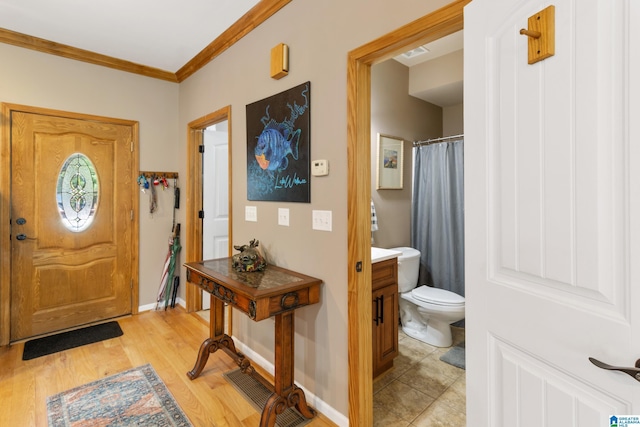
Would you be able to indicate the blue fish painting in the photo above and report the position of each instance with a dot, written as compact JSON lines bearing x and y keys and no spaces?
{"x":278,"y":139}
{"x":275,"y":143}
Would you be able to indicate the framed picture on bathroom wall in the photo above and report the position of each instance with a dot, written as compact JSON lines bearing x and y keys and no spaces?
{"x":390,"y":162}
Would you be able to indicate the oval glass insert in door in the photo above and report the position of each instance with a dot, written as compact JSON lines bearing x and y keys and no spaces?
{"x":77,"y":192}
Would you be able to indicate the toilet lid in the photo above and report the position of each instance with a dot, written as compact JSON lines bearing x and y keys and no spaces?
{"x":437,"y":296}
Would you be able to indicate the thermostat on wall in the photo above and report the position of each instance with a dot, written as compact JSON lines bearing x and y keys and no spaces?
{"x":319,"y":167}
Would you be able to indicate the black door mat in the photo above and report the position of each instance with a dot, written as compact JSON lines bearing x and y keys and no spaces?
{"x":67,"y":340}
{"x":257,"y":394}
{"x":455,"y":356}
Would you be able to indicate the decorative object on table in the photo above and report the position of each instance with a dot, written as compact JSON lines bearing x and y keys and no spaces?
{"x":133,"y":397}
{"x":278,"y":143}
{"x":249,"y":259}
{"x":390,"y":162}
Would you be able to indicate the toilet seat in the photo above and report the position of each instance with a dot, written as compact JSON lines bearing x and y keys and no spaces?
{"x":436,"y":296}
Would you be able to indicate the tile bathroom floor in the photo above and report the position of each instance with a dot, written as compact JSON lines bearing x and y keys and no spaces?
{"x":420,"y":390}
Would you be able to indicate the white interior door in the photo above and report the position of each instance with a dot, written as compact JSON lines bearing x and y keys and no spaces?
{"x":552,"y":214}
{"x":215,"y":197}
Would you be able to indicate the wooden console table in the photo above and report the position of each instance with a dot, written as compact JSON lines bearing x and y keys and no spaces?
{"x":275,"y":292}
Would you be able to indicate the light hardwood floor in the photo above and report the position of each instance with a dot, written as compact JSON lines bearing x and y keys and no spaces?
{"x":168,"y":340}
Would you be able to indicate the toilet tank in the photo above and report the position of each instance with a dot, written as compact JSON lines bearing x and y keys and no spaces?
{"x":408,"y":268}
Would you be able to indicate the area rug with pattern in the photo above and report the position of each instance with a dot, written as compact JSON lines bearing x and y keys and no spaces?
{"x":136,"y":397}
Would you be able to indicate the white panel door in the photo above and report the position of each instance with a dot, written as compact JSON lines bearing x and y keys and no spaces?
{"x":215,"y":197}
{"x":552,"y":214}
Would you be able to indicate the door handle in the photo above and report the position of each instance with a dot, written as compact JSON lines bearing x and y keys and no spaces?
{"x":21,"y":236}
{"x":634,"y":372}
{"x":379,"y":316}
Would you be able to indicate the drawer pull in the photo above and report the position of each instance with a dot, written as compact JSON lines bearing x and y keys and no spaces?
{"x":289,"y":300}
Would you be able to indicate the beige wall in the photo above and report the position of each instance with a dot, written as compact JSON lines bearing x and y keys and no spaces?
{"x":241,"y":76}
{"x":453,"y":120}
{"x":394,"y":112}
{"x":319,"y":34}
{"x":36,"y":79}
{"x":442,"y":72}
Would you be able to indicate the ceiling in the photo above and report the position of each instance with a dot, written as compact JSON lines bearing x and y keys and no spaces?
{"x":160,"y":35}
{"x":447,"y":94}
{"x":155,"y":33}
{"x":433,"y":50}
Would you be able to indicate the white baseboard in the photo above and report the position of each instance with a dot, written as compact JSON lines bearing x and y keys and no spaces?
{"x":328,"y":411}
{"x":152,"y":306}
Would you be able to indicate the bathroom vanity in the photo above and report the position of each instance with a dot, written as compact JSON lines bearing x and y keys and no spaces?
{"x":384,"y":286}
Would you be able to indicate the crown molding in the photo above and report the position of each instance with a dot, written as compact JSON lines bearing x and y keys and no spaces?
{"x":70,"y":52}
{"x":262,"y":11}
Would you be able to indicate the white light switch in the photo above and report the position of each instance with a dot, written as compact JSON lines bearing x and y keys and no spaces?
{"x":251,"y":213}
{"x":321,"y":220}
{"x":283,"y":216}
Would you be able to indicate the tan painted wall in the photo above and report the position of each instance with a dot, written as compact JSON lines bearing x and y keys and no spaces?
{"x":319,"y":34}
{"x":40,"y":80}
{"x":394,"y":112}
{"x":443,"y":71}
{"x":453,"y":120}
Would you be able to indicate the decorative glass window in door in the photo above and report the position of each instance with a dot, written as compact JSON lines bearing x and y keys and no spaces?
{"x":77,"y":192}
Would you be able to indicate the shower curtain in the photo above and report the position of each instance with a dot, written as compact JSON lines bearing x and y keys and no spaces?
{"x":437,"y":214}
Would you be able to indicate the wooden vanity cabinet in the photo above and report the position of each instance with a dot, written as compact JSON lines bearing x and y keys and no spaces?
{"x":384,"y":275}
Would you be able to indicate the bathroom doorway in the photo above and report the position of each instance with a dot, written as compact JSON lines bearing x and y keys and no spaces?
{"x":415,"y":96}
{"x":431,"y":27}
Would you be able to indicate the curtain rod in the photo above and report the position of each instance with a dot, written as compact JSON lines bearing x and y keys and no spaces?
{"x":435,"y":140}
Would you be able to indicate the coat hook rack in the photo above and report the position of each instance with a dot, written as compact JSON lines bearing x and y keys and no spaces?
{"x":152,"y":174}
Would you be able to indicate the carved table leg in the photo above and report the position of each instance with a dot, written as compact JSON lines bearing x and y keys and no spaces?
{"x":286,"y":393}
{"x":216,"y":337}
{"x":203,"y":356}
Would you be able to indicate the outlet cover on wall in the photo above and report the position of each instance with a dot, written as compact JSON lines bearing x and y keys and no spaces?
{"x":321,"y":220}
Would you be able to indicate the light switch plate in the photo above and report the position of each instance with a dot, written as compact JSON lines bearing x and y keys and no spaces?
{"x":283,"y":216}
{"x":251,"y":213}
{"x":321,"y":220}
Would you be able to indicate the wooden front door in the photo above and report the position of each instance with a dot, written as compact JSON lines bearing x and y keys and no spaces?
{"x":72,"y":213}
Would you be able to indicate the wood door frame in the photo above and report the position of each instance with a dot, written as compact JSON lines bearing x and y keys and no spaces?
{"x":193,"y":247}
{"x":5,"y":204}
{"x":433,"y":26}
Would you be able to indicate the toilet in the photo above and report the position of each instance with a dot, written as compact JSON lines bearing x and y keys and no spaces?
{"x":426,"y":313}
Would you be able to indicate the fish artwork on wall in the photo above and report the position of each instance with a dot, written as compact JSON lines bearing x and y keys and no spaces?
{"x":278,"y":146}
